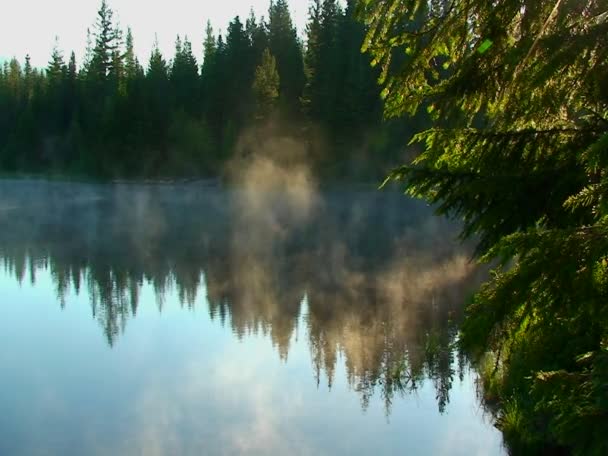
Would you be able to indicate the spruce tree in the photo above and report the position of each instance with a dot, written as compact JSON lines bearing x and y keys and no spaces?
{"x":106,"y":44}
{"x":131,"y":63}
{"x":185,"y":77}
{"x":157,"y":103}
{"x":518,"y":152}
{"x":239,"y":71}
{"x":266,"y":86}
{"x":312,"y":59}
{"x":287,"y":49}
{"x":28,"y":78}
{"x":56,"y":68}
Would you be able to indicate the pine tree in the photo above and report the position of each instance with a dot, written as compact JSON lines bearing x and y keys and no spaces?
{"x":56,"y":68}
{"x":239,"y":71}
{"x":286,"y":47}
{"x":27,"y":68}
{"x":132,"y":67}
{"x":184,"y":77}
{"x":71,"y":85}
{"x":105,"y":43}
{"x":157,"y":73}
{"x":312,"y":58}
{"x":117,"y":70}
{"x":28,"y":78}
{"x":72,"y":68}
{"x":212,"y":80}
{"x":157,"y":100}
{"x":208,"y":67}
{"x":88,"y":54}
{"x":209,"y":45}
{"x":266,"y":86}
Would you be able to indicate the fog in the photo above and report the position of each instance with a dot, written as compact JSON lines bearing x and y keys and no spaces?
{"x":378,"y":278}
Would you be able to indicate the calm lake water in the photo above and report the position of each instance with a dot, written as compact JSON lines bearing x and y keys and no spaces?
{"x":184,"y":319}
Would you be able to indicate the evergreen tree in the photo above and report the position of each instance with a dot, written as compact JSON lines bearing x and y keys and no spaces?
{"x":358,"y":94}
{"x":117,"y":70}
{"x":105,"y":43}
{"x":258,"y":36}
{"x":88,"y":53}
{"x":131,"y":63}
{"x":72,"y":72}
{"x":330,"y":76}
{"x":239,"y":71}
{"x":287,"y":49}
{"x":56,"y":68}
{"x":209,"y":67}
{"x":518,"y":152}
{"x":266,"y":85}
{"x":184,"y":77}
{"x":157,"y":103}
{"x":214,"y":82}
{"x":28,"y":78}
{"x":312,"y":58}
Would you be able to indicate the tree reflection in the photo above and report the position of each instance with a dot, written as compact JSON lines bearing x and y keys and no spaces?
{"x":377,"y":284}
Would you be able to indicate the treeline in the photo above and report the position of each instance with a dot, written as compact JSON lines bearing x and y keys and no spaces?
{"x":116,"y":116}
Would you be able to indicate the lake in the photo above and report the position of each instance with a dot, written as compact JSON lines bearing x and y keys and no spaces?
{"x":187,"y":319}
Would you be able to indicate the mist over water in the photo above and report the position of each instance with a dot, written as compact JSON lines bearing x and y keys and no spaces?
{"x":276,"y":294}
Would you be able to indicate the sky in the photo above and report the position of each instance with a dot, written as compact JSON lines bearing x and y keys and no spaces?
{"x":30,"y":26}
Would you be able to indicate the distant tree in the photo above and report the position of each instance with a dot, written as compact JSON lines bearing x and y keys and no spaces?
{"x":185,"y":77}
{"x":312,"y":58}
{"x":56,"y":69}
{"x":28,"y":78}
{"x":266,"y":85}
{"x":209,"y":65}
{"x":239,"y":71}
{"x":209,"y":45}
{"x":287,"y":49}
{"x":88,"y":54}
{"x":103,"y":56}
{"x":72,"y":71}
{"x":157,"y":102}
{"x":212,"y":80}
{"x":131,"y":62}
{"x":157,"y":68}
{"x":257,"y":32}
{"x":117,"y":70}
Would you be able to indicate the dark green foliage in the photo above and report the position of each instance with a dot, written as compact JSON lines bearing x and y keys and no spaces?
{"x":114,"y":116}
{"x":266,"y":86}
{"x":185,"y":78}
{"x":287,"y":49}
{"x":517,"y":92}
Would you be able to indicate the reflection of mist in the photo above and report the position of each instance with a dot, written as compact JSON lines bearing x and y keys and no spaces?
{"x":383,"y":281}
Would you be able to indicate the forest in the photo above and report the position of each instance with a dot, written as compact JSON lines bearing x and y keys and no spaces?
{"x":181,"y":116}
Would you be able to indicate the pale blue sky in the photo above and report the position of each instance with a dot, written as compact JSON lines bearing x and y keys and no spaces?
{"x":30,"y":26}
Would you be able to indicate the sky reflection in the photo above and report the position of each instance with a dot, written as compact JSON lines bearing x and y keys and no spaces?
{"x":335,"y":338}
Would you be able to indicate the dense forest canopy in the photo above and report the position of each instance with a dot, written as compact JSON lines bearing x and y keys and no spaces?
{"x":114,"y":115}
{"x":519,"y":151}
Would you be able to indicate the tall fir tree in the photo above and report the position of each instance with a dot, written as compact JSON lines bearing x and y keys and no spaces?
{"x":287,"y":49}
{"x":185,"y":77}
{"x":266,"y":86}
{"x":518,"y":153}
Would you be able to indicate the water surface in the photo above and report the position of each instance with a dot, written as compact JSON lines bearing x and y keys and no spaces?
{"x":186,"y":319}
